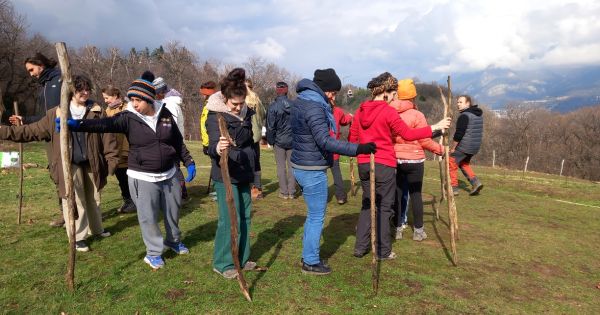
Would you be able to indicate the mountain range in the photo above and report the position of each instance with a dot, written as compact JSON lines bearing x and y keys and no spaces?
{"x":558,"y":89}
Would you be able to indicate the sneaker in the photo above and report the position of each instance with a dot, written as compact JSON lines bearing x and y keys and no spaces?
{"x":227,"y":274}
{"x":399,"y":231}
{"x":213,"y":194}
{"x":359,"y":254}
{"x":342,"y":201}
{"x":104,"y":234}
{"x":477,"y":186}
{"x":127,"y":207}
{"x":283,"y":196}
{"x":455,"y":190}
{"x":178,"y":248}
{"x":250,"y":265}
{"x":58,"y":222}
{"x":391,"y":256}
{"x":319,"y":269}
{"x":419,"y":235}
{"x":155,"y":262}
{"x":292,"y":196}
{"x":81,"y":246}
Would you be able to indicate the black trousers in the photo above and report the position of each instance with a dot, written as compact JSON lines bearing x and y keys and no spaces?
{"x":385,"y":188}
{"x":338,"y":181}
{"x":121,"y":175}
{"x":413,"y":174}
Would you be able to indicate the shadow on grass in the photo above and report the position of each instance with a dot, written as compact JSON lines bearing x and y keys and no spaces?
{"x":203,"y":233}
{"x":283,"y":230}
{"x":337,"y":232}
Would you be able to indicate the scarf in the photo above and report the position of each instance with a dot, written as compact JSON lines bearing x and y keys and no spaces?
{"x":216,"y":103}
{"x":311,"y":95}
{"x":115,"y":104}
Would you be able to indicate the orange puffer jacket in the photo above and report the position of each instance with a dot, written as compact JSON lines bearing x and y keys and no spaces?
{"x":413,"y":150}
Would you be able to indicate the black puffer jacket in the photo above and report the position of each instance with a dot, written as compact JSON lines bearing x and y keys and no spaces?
{"x":279,"y":128}
{"x":469,"y":130}
{"x":49,"y":94}
{"x":149,"y":151}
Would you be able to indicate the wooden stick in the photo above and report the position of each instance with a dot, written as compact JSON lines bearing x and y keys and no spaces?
{"x":232,"y":210}
{"x":20,"y":196}
{"x":208,"y":187}
{"x":448,"y":185}
{"x":453,"y":203}
{"x":65,"y":152}
{"x":353,"y":186}
{"x":442,"y":177}
{"x":374,"y":275}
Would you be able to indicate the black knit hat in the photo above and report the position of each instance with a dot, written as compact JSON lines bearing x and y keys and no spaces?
{"x":143,"y":88}
{"x":327,"y":80}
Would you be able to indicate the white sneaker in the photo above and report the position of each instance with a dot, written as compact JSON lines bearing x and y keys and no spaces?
{"x":419,"y":235}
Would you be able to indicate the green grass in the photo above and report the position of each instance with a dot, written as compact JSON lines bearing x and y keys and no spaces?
{"x":520,"y":251}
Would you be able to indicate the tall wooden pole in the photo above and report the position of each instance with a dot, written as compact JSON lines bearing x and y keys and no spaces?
{"x":374,"y":275}
{"x":20,"y":196}
{"x":452,"y":203}
{"x":65,"y":153}
{"x":232,"y":210}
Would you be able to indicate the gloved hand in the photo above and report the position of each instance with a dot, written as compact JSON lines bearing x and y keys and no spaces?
{"x":73,"y":124}
{"x":191,"y":173}
{"x":366,"y":148}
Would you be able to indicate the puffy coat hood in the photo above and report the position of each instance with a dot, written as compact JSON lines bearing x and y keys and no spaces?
{"x":475,"y":110}
{"x":306,"y":84}
{"x":369,"y":111}
{"x":402,"y":105}
{"x":216,"y":103}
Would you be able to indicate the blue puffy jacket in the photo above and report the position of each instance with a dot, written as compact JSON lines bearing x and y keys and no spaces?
{"x":312,"y":144}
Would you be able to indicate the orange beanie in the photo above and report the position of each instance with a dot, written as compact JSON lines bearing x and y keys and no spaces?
{"x":406,"y":89}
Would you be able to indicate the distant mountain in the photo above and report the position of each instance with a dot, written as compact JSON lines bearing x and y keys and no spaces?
{"x":559,"y":89}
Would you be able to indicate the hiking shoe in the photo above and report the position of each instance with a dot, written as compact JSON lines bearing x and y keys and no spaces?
{"x":455,"y":190}
{"x":58,"y":222}
{"x":104,"y":234}
{"x":477,"y":186}
{"x":319,"y":269}
{"x":399,"y":231}
{"x":155,"y":262}
{"x":81,"y":246}
{"x":250,"y":265}
{"x":178,"y":248}
{"x":127,"y":207}
{"x":359,"y":254}
{"x":283,"y":196}
{"x":391,"y":256}
{"x":419,"y":235}
{"x":227,"y":274}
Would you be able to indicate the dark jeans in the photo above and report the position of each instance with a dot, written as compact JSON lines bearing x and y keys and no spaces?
{"x":412,"y":174}
{"x":338,"y":181}
{"x":121,"y":175}
{"x":385,"y":188}
{"x":256,"y":183}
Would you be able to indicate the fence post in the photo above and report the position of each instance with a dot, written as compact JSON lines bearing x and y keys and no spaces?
{"x":562,"y":164}
{"x":494,"y":159}
{"x":525,"y":169}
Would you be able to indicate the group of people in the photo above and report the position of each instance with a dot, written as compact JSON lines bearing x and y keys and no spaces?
{"x":141,"y":141}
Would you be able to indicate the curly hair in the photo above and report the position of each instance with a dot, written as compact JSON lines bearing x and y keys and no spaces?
{"x":233,"y":84}
{"x":384,"y":82}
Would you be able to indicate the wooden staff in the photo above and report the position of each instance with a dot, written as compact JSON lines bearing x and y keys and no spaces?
{"x":442,"y":177}
{"x":20,"y":196}
{"x":448,"y":186}
{"x":353,"y":186}
{"x":65,"y":153}
{"x":231,"y":207}
{"x":374,"y":275}
{"x":453,"y":206}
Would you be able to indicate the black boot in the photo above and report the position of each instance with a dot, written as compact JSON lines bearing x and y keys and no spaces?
{"x":477,"y":186}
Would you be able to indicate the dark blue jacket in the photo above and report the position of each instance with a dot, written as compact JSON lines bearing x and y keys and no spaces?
{"x":49,"y":94}
{"x":469,"y":130}
{"x":312,"y":144}
{"x":279,"y":129}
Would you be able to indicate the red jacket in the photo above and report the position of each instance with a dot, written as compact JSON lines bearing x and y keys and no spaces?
{"x":413,"y":150}
{"x":376,"y":121}
{"x":341,"y":119}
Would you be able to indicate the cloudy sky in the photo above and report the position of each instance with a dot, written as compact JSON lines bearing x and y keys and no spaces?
{"x":427,"y":39}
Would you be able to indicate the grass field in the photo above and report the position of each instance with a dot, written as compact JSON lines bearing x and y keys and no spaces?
{"x":523,"y":249}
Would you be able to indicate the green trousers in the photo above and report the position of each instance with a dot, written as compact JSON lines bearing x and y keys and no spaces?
{"x":222,"y":259}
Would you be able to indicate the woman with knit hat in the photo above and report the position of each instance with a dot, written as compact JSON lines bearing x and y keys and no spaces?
{"x":230,"y":104}
{"x":411,"y":160}
{"x":375,"y":121}
{"x":155,"y":147}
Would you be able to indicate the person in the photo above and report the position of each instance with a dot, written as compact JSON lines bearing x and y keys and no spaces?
{"x":254,"y":103}
{"x":230,"y":104}
{"x":206,"y":90}
{"x":376,"y":121}
{"x":114,"y":105}
{"x":466,"y":143}
{"x":312,"y":147}
{"x":279,"y":135}
{"x":93,"y":158}
{"x":48,"y":77}
{"x":410,"y":156}
{"x":341,"y":119}
{"x":155,"y":148}
{"x":172,"y":101}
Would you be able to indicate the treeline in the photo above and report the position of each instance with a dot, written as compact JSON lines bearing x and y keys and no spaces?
{"x":545,"y":137}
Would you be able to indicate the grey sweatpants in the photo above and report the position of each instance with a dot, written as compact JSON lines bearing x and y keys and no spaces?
{"x":287,"y":181}
{"x":150,"y":199}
